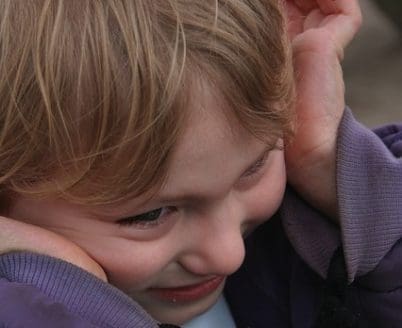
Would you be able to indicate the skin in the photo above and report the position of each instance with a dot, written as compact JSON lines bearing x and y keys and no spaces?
{"x":319,"y":31}
{"x":218,"y":189}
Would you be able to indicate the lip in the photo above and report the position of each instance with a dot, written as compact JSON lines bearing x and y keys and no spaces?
{"x":188,"y":293}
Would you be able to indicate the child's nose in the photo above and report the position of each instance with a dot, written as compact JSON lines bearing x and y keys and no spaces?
{"x":215,"y":254}
{"x":215,"y":246}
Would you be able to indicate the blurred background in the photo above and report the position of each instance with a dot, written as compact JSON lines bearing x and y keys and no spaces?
{"x":373,"y":64}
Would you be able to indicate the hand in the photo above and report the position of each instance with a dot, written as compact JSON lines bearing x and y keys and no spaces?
{"x":319,"y":31}
{"x":19,"y":236}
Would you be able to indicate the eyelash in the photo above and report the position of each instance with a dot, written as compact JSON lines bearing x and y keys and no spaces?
{"x":257,"y":166}
{"x":155,"y":218}
{"x":159,"y":215}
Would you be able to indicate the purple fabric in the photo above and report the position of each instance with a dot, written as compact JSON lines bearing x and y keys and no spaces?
{"x":369,"y":193}
{"x":314,"y":238}
{"x":24,"y":306}
{"x":369,"y":188}
{"x":274,"y":287}
{"x":391,"y":135}
{"x":38,"y":289}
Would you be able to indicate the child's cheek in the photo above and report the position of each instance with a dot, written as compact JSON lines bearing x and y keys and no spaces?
{"x":130,"y":265}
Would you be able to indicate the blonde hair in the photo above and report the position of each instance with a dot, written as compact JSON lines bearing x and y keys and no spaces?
{"x":94,"y":93}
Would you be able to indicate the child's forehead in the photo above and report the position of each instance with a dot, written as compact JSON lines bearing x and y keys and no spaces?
{"x":208,"y":117}
{"x":208,"y":101}
{"x":212,"y":139}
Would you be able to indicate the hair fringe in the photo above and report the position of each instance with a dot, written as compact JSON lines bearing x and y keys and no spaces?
{"x":94,"y":93}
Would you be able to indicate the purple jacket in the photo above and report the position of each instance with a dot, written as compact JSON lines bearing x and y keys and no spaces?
{"x":300,"y":269}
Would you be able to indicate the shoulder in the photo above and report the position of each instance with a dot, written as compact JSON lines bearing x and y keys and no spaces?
{"x":379,"y":292}
{"x":22,"y":305}
{"x":41,"y":291}
{"x":266,"y":290}
{"x":386,"y":277}
{"x":391,"y":135}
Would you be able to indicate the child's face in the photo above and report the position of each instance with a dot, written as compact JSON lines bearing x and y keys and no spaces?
{"x":221,"y":184}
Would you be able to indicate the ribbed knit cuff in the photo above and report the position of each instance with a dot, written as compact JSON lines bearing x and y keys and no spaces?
{"x":314,"y":237}
{"x":82,"y":293}
{"x":369,"y":186}
{"x":369,"y":191}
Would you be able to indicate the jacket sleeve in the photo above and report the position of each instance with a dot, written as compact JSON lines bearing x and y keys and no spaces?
{"x":369,"y":192}
{"x":369,"y":182}
{"x":369,"y":235}
{"x":41,"y":291}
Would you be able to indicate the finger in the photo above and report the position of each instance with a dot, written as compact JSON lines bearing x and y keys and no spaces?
{"x":294,"y":19}
{"x":19,"y":236}
{"x":349,"y":8}
{"x":296,"y":12}
{"x":329,"y":7}
{"x":305,"y":5}
{"x":314,"y":19}
{"x":343,"y":21}
{"x":343,"y":29}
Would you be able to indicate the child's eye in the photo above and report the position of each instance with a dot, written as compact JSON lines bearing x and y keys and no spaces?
{"x":147,"y":219}
{"x":256,"y":166}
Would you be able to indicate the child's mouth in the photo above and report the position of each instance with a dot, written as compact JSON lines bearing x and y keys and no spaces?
{"x":188,"y":293}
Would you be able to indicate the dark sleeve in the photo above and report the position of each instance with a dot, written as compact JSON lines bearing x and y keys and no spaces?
{"x":41,"y":291}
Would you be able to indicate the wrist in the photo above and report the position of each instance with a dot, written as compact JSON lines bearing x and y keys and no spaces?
{"x":313,"y":176}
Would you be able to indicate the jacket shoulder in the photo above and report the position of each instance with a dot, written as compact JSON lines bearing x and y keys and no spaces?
{"x":41,"y":291}
{"x":380,"y":290}
{"x":22,"y":305}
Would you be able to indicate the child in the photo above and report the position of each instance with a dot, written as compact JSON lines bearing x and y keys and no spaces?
{"x":142,"y":140}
